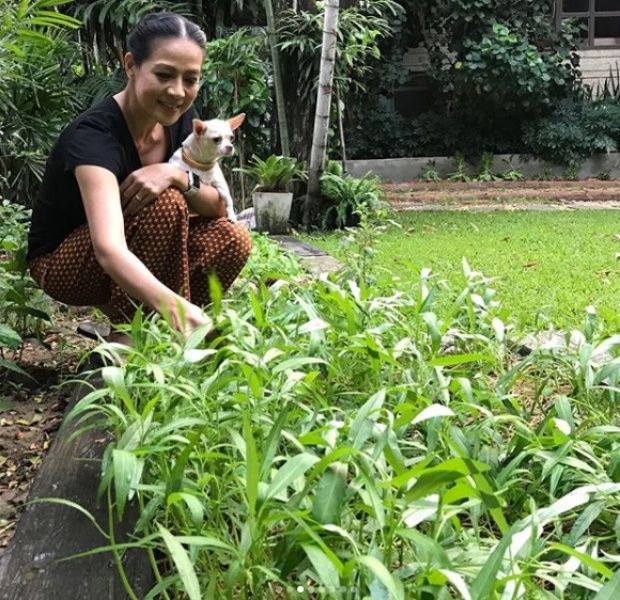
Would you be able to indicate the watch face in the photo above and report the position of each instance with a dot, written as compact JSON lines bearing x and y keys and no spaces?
{"x":195,"y":180}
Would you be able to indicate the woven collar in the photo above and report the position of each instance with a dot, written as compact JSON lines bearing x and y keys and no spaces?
{"x":195,"y":164}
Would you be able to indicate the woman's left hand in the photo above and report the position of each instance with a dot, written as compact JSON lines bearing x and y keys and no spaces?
{"x":141,"y":187}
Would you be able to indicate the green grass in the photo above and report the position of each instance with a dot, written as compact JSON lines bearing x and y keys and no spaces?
{"x":546,"y":265}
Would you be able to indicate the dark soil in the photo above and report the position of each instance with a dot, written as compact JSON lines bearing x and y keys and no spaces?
{"x":31,"y":409}
{"x":583,"y":193}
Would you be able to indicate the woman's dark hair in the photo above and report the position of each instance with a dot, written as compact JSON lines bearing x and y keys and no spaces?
{"x":161,"y":25}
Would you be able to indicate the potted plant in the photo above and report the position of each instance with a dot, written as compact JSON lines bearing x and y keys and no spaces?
{"x":270,"y":198}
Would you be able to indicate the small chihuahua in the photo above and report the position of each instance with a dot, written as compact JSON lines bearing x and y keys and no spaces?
{"x":201,"y":150}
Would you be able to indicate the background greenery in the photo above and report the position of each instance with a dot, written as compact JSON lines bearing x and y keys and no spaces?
{"x":51,"y":68}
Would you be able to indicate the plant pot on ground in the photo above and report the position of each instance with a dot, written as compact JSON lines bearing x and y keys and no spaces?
{"x":270,"y":198}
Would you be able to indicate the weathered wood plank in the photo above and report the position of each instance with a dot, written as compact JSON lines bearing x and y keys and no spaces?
{"x":47,"y":532}
{"x":313,"y":259}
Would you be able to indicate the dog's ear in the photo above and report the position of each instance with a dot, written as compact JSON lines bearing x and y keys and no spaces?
{"x":236,"y":121}
{"x":198,"y":126}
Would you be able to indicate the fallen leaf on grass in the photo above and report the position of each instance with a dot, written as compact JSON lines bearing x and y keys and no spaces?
{"x":531,"y":264}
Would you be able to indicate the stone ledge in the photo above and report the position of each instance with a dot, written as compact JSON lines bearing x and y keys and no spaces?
{"x":400,"y":170}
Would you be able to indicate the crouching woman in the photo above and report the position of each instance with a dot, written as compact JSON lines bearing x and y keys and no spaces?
{"x":111,"y":224}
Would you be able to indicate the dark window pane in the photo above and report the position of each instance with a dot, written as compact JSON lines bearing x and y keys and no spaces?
{"x":575,"y":6}
{"x":607,"y":31}
{"x":607,"y":6}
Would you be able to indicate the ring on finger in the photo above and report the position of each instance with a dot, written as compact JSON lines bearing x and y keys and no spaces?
{"x":138,"y":198}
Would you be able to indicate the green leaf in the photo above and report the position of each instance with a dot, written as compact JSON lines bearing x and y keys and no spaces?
{"x":330,"y":494}
{"x":431,"y":412}
{"x":586,"y":559}
{"x":324,"y":568}
{"x":458,"y":359}
{"x":252,"y":469}
{"x":9,"y":337}
{"x":181,"y":560}
{"x":11,"y":366}
{"x":125,"y":466}
{"x":292,"y":469}
{"x":364,"y":420}
{"x":611,"y":590}
{"x":434,"y":478}
{"x":377,"y":568}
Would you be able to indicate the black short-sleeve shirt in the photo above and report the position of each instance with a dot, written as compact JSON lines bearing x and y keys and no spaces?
{"x":99,"y":137}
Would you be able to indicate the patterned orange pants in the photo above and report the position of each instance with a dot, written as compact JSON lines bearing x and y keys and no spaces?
{"x":181,"y":251}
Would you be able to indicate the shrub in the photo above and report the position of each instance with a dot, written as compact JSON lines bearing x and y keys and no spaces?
{"x":575,"y":131}
{"x":345,"y":196}
{"x":35,"y":101}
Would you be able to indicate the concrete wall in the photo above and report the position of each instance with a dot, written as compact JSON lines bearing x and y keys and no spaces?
{"x":400,"y":170}
{"x":596,"y":64}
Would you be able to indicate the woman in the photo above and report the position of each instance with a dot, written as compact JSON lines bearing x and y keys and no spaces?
{"x":111,"y":225}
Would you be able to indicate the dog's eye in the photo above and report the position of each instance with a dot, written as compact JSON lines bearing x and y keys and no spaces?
{"x":217,"y":140}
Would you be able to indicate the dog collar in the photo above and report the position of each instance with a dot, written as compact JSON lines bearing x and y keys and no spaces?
{"x":195,"y":164}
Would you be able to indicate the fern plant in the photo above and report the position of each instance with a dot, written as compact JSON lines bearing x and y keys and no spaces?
{"x":344,"y":198}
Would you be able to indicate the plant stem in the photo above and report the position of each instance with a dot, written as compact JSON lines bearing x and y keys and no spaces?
{"x":117,"y":556}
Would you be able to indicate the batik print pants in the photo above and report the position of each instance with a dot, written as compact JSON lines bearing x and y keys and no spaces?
{"x":181,"y":251}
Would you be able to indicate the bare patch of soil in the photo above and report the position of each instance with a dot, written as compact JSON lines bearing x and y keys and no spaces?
{"x":31,"y":410}
{"x":588,"y":193}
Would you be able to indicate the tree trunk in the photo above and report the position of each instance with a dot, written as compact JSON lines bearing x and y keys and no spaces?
{"x":321,"y":118}
{"x":277,"y":79}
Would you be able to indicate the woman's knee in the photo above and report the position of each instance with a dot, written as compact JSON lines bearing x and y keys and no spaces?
{"x":243,"y":239}
{"x":170,"y":204}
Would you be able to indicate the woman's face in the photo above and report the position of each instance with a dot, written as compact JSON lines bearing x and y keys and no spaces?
{"x":167,"y":82}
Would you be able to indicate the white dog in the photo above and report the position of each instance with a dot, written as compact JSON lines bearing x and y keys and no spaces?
{"x":200,"y":152}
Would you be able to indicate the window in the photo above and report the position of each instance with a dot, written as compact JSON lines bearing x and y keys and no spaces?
{"x":599,"y":20}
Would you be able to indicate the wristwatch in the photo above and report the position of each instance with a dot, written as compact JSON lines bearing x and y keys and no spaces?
{"x":193,"y":182}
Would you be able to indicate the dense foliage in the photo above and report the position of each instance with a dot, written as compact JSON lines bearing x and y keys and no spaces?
{"x":345,"y":440}
{"x":36,"y":58}
{"x":495,"y":69}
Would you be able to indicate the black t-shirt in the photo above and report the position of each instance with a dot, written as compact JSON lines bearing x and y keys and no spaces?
{"x":98,"y":137}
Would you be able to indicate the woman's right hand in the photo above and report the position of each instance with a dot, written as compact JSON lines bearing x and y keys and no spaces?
{"x":188,"y":317}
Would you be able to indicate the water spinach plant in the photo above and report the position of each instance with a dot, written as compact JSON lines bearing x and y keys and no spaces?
{"x":347,"y":440}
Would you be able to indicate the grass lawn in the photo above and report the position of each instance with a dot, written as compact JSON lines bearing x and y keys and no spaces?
{"x":546,"y":265}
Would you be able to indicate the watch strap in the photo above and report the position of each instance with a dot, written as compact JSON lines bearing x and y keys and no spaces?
{"x":194,"y":184}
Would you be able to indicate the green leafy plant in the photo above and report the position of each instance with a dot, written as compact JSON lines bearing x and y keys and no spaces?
{"x":23,"y":307}
{"x":460,"y":164}
{"x":546,"y":174}
{"x":345,"y":197}
{"x":274,"y":173}
{"x":511,"y":173}
{"x":486,"y":169}
{"x":571,"y":173}
{"x":335,"y":433}
{"x":35,"y":72}
{"x":575,"y":131}
{"x":430,"y":174}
